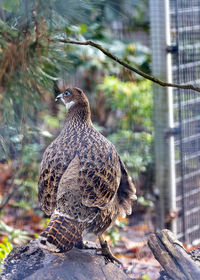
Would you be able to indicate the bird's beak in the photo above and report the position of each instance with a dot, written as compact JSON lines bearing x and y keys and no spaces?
{"x":59,"y":97}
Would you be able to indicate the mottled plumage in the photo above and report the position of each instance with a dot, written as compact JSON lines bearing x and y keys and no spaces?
{"x":83,"y":183}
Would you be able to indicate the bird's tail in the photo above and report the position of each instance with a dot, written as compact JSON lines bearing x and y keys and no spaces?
{"x":60,"y":234}
{"x":126,"y":192}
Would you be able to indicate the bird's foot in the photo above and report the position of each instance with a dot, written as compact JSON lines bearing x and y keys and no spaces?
{"x":88,"y":245}
{"x":106,"y":252}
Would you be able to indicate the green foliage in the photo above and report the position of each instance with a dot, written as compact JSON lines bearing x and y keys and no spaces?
{"x":5,"y":248}
{"x":11,"y":5}
{"x":146,"y":277}
{"x":10,"y":236}
{"x":135,"y":149}
{"x":144,"y":202}
{"x":92,"y":60}
{"x":114,"y":232}
{"x":133,"y":99}
{"x":14,"y":235}
{"x":131,"y":104}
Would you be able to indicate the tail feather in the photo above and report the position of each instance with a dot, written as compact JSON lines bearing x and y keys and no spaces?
{"x":60,"y":234}
{"x":126,"y":192}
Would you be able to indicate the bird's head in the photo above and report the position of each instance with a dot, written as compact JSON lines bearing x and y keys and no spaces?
{"x":71,"y":97}
{"x":75,"y":101}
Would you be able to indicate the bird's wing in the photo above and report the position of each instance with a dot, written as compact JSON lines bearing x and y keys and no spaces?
{"x":70,"y":194}
{"x":99,"y":182}
{"x":69,"y":180}
{"x":53,"y":166}
{"x":89,"y":183}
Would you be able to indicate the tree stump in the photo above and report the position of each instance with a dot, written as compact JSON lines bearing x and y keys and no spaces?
{"x":170,"y":253}
{"x":30,"y":262}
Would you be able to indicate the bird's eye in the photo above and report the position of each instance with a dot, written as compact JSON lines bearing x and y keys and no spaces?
{"x":66,"y":93}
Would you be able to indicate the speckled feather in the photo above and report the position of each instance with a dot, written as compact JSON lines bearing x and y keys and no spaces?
{"x":82,"y":177}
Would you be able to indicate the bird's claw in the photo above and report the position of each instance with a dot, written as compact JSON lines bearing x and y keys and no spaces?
{"x":106,"y":252}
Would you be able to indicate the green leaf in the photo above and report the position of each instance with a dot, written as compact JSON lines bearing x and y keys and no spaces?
{"x":145,"y":277}
{"x":11,"y":5}
{"x":3,"y":247}
{"x":83,"y":28}
{"x":144,"y":202}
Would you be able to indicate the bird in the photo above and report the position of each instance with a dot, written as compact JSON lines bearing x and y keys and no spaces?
{"x":83,"y":183}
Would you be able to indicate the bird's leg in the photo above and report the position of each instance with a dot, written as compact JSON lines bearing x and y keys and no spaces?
{"x":85,"y":245}
{"x":106,"y":252}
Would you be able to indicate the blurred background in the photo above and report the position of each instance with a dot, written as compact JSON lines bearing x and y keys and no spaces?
{"x":155,"y":130}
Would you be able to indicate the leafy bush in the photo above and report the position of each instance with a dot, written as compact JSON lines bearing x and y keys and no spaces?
{"x":135,"y":149}
{"x":133,"y":99}
{"x":131,"y":103}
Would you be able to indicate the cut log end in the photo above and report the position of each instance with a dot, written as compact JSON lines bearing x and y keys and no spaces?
{"x":172,"y":256}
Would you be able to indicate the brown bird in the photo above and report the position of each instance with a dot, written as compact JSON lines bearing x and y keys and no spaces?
{"x":83,"y":183}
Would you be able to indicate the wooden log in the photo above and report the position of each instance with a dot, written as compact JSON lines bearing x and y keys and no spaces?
{"x":30,"y":262}
{"x":173,"y":257}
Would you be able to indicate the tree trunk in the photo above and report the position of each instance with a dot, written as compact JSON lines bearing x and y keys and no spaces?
{"x":170,"y":253}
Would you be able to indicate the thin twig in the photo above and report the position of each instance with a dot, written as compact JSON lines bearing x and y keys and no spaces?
{"x":7,"y":198}
{"x":126,"y":65}
{"x":11,"y":191}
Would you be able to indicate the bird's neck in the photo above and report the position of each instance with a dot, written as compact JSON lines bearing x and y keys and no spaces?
{"x":79,"y":114}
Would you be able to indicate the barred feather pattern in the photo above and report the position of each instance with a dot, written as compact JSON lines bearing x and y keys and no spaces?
{"x":61,"y":234}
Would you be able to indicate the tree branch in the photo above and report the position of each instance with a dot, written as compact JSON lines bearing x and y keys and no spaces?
{"x":126,"y":65}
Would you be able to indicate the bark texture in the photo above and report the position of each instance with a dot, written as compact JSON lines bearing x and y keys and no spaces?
{"x":30,"y":262}
{"x":170,"y":253}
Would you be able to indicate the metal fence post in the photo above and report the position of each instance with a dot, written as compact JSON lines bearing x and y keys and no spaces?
{"x":163,"y":111}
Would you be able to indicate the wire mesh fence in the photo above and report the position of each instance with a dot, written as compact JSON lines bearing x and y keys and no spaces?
{"x":185,"y":35}
{"x":175,"y":34}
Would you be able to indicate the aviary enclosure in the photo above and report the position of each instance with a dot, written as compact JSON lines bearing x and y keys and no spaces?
{"x":175,"y":29}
